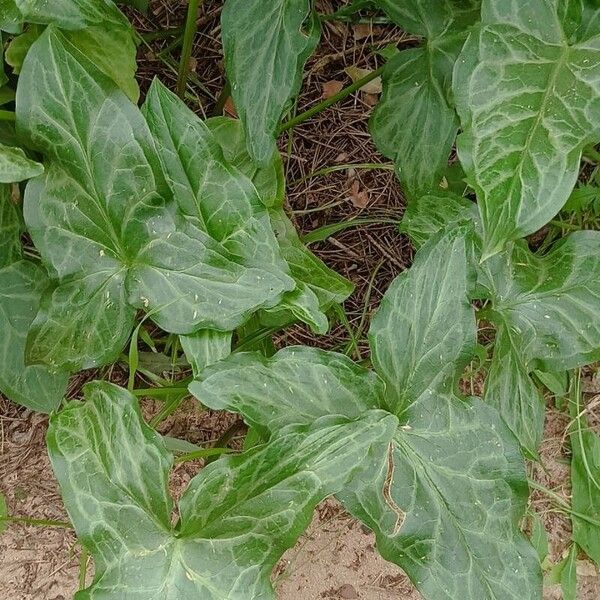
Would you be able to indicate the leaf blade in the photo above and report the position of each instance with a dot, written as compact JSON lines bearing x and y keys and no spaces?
{"x":21,"y":286}
{"x":521,"y":142}
{"x":102,"y":450}
{"x":415,"y":314}
{"x":266,"y":75}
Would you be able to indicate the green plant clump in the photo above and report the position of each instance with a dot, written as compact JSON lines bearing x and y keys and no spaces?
{"x":125,"y":225}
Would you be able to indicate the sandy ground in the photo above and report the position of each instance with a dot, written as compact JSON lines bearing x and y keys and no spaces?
{"x":335,"y":559}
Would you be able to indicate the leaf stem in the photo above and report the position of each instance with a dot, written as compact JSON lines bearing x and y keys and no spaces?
{"x":168,"y":408}
{"x":7,"y":115}
{"x":562,"y":504}
{"x":37,"y":522}
{"x":335,"y":168}
{"x":225,"y":439}
{"x":150,"y":36}
{"x":222,"y":99}
{"x":354,"y":20}
{"x":83,"y":562}
{"x":158,"y":392}
{"x":325,"y":104}
{"x":322,"y":233}
{"x":204,"y":453}
{"x":188,"y":43}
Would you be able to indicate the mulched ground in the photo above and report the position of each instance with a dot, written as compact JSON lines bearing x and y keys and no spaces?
{"x":336,"y":559}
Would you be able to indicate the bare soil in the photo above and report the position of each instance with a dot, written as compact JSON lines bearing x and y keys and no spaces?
{"x":336,"y":558}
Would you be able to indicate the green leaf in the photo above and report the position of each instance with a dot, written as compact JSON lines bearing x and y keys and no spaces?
{"x":585,"y":481}
{"x":237,"y":516}
{"x":266,"y":46}
{"x":15,"y":166}
{"x":10,"y":17}
{"x":10,"y":229}
{"x":510,"y":389}
{"x":529,"y":101}
{"x":438,"y":336}
{"x":318,"y":288}
{"x":21,"y":286}
{"x":298,"y":385}
{"x":268,"y":179}
{"x":20,"y":45}
{"x":568,"y":576}
{"x":205,"y":348}
{"x":550,"y":303}
{"x":415,"y":123}
{"x":104,"y":221}
{"x":453,"y":477}
{"x":454,"y":480}
{"x":432,"y":213}
{"x":220,"y":200}
{"x":539,"y":537}
{"x":97,"y":29}
{"x":72,"y":14}
{"x":431,"y":18}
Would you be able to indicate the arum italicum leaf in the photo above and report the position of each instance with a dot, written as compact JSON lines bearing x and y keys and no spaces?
{"x":15,"y":166}
{"x":97,"y":28}
{"x":415,"y":123}
{"x":318,"y":288}
{"x":237,"y":516}
{"x":585,"y":481}
{"x":528,"y":96}
{"x":445,"y":497}
{"x":550,"y":303}
{"x":547,"y":312}
{"x":511,"y":390}
{"x":545,"y":309}
{"x":105,"y":223}
{"x":21,"y":286}
{"x":266,"y":45}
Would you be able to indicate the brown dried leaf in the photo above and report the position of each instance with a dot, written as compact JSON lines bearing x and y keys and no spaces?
{"x":331,"y":88}
{"x":359,"y":198}
{"x":362,"y":31}
{"x":356,"y":74}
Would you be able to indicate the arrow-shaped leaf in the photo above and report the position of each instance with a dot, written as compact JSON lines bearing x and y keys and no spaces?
{"x":450,"y":489}
{"x":528,"y":97}
{"x":415,"y":123}
{"x":21,"y":286}
{"x":318,"y":288}
{"x":550,"y":303}
{"x":237,"y":516}
{"x":511,"y":390}
{"x":266,"y":46}
{"x":104,"y":221}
